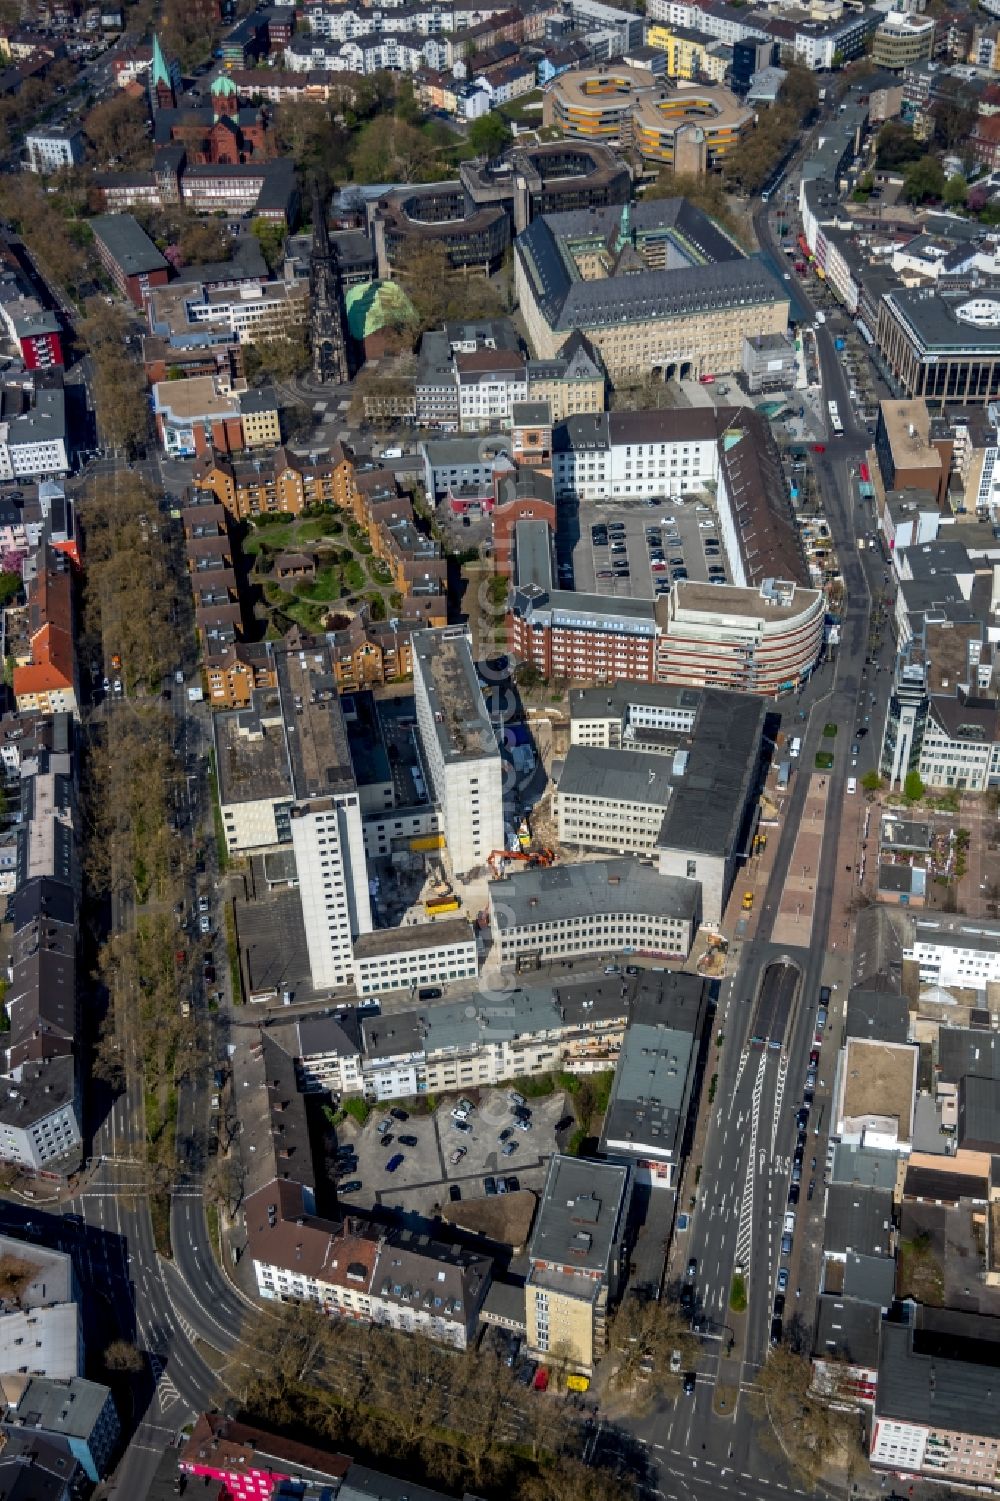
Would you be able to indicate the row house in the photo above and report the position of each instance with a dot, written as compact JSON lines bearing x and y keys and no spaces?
{"x":277,"y":483}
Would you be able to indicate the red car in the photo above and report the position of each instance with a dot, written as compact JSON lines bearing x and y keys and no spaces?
{"x":819,"y":448}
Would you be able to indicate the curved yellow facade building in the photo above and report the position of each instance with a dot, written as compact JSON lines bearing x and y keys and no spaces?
{"x":687,"y":126}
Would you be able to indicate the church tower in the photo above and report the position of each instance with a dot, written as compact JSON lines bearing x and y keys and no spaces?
{"x":328,"y":327}
{"x":161,"y":80}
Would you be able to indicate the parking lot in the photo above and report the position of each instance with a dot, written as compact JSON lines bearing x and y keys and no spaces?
{"x":425,"y":1175}
{"x":637,"y":550}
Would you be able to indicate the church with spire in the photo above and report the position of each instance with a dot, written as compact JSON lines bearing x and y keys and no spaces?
{"x":221,"y":133}
{"x":328,"y":335}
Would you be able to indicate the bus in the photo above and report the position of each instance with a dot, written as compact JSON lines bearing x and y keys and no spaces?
{"x":836,"y":426}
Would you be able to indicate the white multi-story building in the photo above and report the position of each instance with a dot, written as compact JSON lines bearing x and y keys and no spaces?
{"x":489,"y":381}
{"x":635,"y":454}
{"x":33,"y":444}
{"x":959,"y":747}
{"x":618,"y":716}
{"x":39,"y":1119}
{"x":426,"y":954}
{"x":333,"y":884}
{"x":599,"y":907}
{"x":955,"y":951}
{"x":612,"y":799}
{"x":459,"y":746}
{"x":49,"y":149}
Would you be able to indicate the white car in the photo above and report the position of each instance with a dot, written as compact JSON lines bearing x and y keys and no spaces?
{"x":707,"y":526}
{"x":118,"y":685}
{"x":205,"y":923}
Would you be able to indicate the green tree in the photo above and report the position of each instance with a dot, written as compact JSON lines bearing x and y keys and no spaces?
{"x":956,"y":191}
{"x":489,"y":135}
{"x":924,"y":179}
{"x":913,"y":787}
{"x":203,"y":241}
{"x":871,"y":781}
{"x":897,"y":145}
{"x":390,"y":150}
{"x":118,"y":131}
{"x":271,"y":238}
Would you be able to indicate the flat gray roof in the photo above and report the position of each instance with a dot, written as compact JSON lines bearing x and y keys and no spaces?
{"x":581,"y":1215}
{"x":623,"y":776}
{"x":594,"y":886}
{"x":878,"y":1015}
{"x":707,"y":813}
{"x":127,"y":243}
{"x":533,"y":550}
{"x":649,"y":1101}
{"x":463,"y":725}
{"x":918,"y":1382}
{"x":409,"y":940}
{"x":968,"y":1050}
{"x":847,"y":1330}
{"x":868,"y":1166}
{"x":613,"y":701}
{"x":858,"y":1219}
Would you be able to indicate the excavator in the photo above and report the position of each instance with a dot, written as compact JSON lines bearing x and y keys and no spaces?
{"x":528,"y":857}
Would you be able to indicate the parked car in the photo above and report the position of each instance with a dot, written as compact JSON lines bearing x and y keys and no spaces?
{"x":783,"y":1280}
{"x":690,"y":1382}
{"x":394,"y":1162}
{"x":457,"y":1155}
{"x":455,"y":1193}
{"x":509,"y":1149}
{"x":384,"y":1126}
{"x":354,"y":1186}
{"x":408,"y":1141}
{"x":399,"y":1114}
{"x":462,"y":1126}
{"x":490,"y":1185}
{"x":522,"y":1125}
{"x":513,"y":1185}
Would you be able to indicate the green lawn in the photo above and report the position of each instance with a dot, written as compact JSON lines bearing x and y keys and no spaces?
{"x":326,"y":586}
{"x":824,"y":761}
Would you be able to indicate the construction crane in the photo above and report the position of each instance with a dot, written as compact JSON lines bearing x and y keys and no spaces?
{"x":528,"y":857}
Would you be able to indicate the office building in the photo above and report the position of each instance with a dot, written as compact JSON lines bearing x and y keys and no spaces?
{"x":459,"y":747}
{"x":129,"y":256}
{"x":902,"y":39}
{"x":650,"y":1102}
{"x":943,"y":346}
{"x":654,"y":287}
{"x":954,"y":952}
{"x":930,"y":1418}
{"x":285,"y":778}
{"x":597,"y":907}
{"x":577,"y":1260}
{"x":433,"y":953}
{"x":758,"y":640}
{"x":691,"y":128}
{"x":612,"y":799}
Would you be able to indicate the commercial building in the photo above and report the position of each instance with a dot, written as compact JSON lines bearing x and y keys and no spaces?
{"x":129,"y":256}
{"x":930,"y":1419}
{"x":577,"y":1260}
{"x":955,"y":953}
{"x":459,"y":747}
{"x":612,"y":799}
{"x":50,"y":149}
{"x":196,"y":417}
{"x":650,"y":1102}
{"x":596,"y":907}
{"x":245,"y":1459}
{"x":902,"y":39}
{"x":657,"y":287}
{"x":639,"y":717}
{"x":636,"y":454}
{"x":758,"y":640}
{"x":907,"y":457}
{"x":943,"y":346}
{"x":875,"y":1093}
{"x":433,"y":953}
{"x":708,"y":825}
